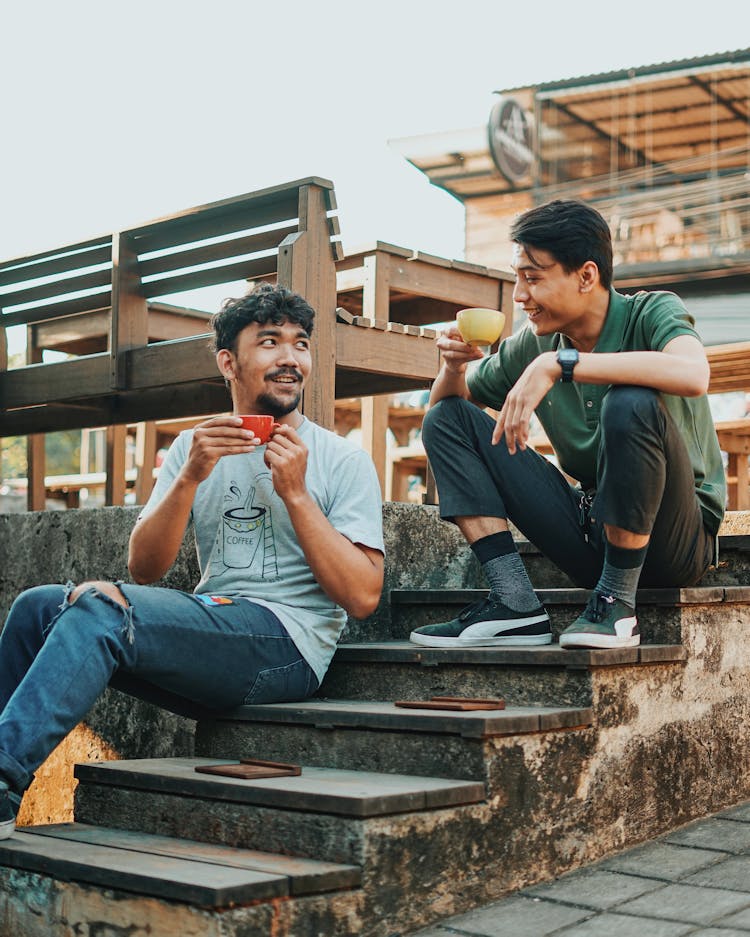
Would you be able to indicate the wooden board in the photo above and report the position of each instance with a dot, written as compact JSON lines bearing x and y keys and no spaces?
{"x":452,"y":704}
{"x":252,"y":769}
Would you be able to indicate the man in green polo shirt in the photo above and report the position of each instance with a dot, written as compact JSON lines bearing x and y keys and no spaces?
{"x":619,"y":384}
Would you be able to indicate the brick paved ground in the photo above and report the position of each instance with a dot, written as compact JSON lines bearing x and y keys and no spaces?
{"x":695,"y":881}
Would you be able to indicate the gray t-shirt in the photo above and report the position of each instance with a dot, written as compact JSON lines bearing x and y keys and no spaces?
{"x":246,"y":543}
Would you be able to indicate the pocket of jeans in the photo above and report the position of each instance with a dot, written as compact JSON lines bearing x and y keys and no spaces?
{"x":285,"y":684}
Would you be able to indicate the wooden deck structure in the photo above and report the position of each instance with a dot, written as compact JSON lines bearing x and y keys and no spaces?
{"x":139,"y":359}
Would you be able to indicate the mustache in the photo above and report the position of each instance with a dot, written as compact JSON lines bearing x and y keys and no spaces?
{"x":284,"y":372}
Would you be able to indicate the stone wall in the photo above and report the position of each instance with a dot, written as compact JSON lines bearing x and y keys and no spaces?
{"x":57,"y":546}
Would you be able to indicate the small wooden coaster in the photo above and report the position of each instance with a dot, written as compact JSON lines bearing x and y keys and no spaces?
{"x":453,"y":703}
{"x":252,"y":769}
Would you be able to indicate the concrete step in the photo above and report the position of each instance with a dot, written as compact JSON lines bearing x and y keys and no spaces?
{"x":160,"y":796}
{"x":76,"y":878}
{"x":405,"y":833}
{"x":661,"y":612}
{"x":203,"y":874}
{"x":379,"y":736}
{"x":522,"y":676}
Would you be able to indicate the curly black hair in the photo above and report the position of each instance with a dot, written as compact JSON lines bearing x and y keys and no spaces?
{"x":264,"y":303}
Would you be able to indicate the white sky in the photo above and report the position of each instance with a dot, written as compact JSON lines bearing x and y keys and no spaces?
{"x":114,"y":114}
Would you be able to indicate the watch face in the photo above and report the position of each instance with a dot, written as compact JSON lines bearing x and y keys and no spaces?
{"x":568,"y":355}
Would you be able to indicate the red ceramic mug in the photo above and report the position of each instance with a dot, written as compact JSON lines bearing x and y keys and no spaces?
{"x":260,"y":425}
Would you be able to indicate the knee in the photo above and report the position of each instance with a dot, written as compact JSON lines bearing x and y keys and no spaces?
{"x":105,"y":588}
{"x":444,"y":416}
{"x":39,"y":604}
{"x":626,"y":403}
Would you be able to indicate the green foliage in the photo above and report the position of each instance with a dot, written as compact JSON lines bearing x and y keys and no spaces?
{"x":62,"y":451}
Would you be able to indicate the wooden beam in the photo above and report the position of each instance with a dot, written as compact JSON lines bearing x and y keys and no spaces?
{"x":410,"y":358}
{"x":447,"y":283}
{"x":129,"y":322}
{"x":184,"y":360}
{"x":55,"y":381}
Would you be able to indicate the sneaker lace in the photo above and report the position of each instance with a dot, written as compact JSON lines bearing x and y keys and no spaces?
{"x":474,"y":608}
{"x":598,"y":606}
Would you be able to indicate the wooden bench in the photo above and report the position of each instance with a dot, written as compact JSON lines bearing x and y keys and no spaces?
{"x":289,"y":231}
{"x":140,"y":358}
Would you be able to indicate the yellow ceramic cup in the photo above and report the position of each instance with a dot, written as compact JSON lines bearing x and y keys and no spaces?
{"x":480,"y":326}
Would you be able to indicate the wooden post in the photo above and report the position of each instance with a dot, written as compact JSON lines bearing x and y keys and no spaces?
{"x":36,"y":460}
{"x":114,"y":489}
{"x":145,"y":457}
{"x":306,"y":265}
{"x":374,"y":430}
{"x":376,"y":305}
{"x":128,"y":329}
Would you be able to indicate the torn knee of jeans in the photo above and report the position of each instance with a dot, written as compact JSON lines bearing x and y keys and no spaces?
{"x":126,"y":609}
{"x":68,"y":587}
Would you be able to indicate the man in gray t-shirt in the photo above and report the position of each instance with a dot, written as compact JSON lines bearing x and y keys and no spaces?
{"x":289,"y":540}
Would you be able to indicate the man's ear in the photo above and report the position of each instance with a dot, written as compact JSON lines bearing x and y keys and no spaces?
{"x":588,"y":276}
{"x":225,"y":363}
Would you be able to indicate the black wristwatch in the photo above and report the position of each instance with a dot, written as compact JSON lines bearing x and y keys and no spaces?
{"x":567,"y":358}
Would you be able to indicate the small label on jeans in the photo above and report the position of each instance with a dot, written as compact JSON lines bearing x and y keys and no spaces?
{"x":213,"y":599}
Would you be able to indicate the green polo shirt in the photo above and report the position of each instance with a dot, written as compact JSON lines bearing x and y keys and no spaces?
{"x":570,"y":413}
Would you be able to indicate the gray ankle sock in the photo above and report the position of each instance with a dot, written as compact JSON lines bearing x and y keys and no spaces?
{"x":621,"y":572}
{"x":506,"y":575}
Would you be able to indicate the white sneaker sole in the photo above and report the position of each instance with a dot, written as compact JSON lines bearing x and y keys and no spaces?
{"x":7,"y":828}
{"x":517,"y":640}
{"x":601,"y":641}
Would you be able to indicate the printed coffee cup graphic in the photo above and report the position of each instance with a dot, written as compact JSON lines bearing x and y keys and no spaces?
{"x":243,"y":534}
{"x":247,"y":535}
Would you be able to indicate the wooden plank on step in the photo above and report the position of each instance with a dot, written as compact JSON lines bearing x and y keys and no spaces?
{"x":317,"y":790}
{"x":366,"y":714}
{"x":158,"y":876}
{"x":304,"y":876}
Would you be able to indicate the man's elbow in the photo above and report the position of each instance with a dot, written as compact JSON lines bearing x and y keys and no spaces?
{"x":364,"y":604}
{"x":138,"y":577}
{"x":697,"y":379}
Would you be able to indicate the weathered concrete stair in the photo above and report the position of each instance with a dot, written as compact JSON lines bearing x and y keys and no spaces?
{"x":203,"y":874}
{"x":415,"y":815}
{"x":372,"y":735}
{"x":389,"y":826}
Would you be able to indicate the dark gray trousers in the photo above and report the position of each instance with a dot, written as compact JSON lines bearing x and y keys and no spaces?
{"x":645,"y":484}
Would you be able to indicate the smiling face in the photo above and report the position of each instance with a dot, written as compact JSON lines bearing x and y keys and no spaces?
{"x":268,"y":368}
{"x":553,"y":300}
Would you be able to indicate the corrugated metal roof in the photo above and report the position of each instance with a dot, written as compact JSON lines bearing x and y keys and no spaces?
{"x":626,"y":74}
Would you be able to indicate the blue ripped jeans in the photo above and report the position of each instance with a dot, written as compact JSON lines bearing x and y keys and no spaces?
{"x":167,"y":647}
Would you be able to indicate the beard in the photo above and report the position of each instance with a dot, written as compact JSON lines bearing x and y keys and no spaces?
{"x":270,"y":404}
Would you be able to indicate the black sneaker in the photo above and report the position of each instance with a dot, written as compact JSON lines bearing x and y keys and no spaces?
{"x":8,"y":811}
{"x":606,"y":622}
{"x":487,"y":623}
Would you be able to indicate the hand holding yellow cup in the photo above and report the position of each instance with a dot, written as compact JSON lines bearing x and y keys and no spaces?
{"x":480,"y":326}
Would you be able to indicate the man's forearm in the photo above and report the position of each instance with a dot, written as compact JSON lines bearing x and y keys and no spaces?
{"x":156,"y":540}
{"x":671,"y":373}
{"x":448,"y":384}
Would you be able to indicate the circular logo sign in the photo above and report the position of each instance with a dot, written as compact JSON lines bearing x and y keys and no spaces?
{"x":510,"y":139}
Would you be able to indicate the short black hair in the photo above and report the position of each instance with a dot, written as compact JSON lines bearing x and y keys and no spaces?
{"x":571,"y":231}
{"x":264,"y":303}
